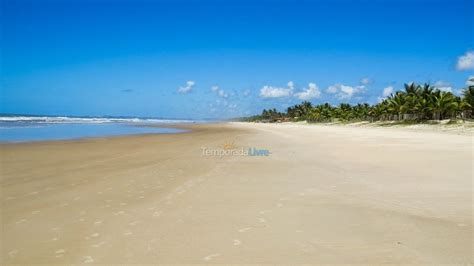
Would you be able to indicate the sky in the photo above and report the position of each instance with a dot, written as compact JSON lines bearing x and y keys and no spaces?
{"x":222,"y":59}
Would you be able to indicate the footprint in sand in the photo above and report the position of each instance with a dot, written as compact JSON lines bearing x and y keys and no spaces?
{"x":98,"y":244}
{"x":97,"y":222}
{"x":92,"y":236}
{"x":20,"y":221}
{"x":262,"y":220}
{"x":127,"y":233}
{"x":210,"y":257}
{"x":237,"y":242}
{"x":88,"y":259}
{"x":241,"y":230}
{"x":279,"y":205}
{"x":12,"y":253}
{"x":59,"y":253}
{"x":133,"y":223}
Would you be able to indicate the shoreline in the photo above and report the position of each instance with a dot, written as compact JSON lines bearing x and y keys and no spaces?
{"x":164,"y":127}
{"x":466,"y":128}
{"x":331,"y":194}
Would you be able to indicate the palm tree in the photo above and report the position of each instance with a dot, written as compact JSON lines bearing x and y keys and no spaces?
{"x":418,"y":102}
{"x":468,"y":102}
{"x":411,"y":88}
{"x":343,"y":111}
{"x":396,"y":104}
{"x":422,"y":108}
{"x":327,"y":112}
{"x":444,"y":104}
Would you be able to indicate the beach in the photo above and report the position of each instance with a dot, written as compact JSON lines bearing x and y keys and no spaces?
{"x":323,"y":195}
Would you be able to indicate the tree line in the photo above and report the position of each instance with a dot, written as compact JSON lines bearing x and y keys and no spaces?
{"x":415,"y":103}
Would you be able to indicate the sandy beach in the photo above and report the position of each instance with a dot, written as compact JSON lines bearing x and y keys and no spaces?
{"x":324,"y":195}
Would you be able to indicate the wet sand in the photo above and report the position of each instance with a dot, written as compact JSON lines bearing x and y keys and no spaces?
{"x":325,"y":194}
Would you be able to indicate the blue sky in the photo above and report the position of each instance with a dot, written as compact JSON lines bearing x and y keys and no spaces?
{"x":220,"y":59}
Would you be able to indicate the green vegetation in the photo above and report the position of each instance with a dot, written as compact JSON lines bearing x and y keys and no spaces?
{"x":417,"y":103}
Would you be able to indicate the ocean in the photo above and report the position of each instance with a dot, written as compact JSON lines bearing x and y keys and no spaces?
{"x":17,"y":128}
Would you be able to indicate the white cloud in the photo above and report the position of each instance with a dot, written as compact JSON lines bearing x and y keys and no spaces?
{"x":470,"y":81}
{"x":276,"y":92}
{"x":309,"y":93}
{"x":215,"y":88}
{"x":291,"y":85}
{"x":222,"y":94}
{"x":466,"y":61}
{"x":443,"y":86}
{"x":387,"y":91}
{"x":331,"y":89}
{"x":189,"y":86}
{"x":344,"y":92}
{"x":219,"y":91}
{"x":365,"y":81}
{"x":348,"y":91}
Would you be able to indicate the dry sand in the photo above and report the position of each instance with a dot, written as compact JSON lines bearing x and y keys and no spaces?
{"x":326,"y":194}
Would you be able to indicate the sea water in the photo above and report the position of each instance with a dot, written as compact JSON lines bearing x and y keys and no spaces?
{"x":36,"y":128}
